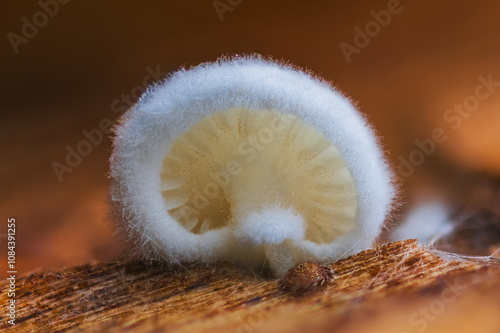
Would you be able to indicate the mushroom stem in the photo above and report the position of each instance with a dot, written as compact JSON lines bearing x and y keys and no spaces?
{"x":270,"y":225}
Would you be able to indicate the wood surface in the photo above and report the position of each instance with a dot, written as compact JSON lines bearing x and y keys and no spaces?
{"x":398,"y":287}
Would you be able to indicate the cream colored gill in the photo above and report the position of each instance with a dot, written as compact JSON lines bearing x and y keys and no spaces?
{"x":237,"y":161}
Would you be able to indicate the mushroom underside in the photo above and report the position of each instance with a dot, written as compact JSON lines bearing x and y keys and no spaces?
{"x":267,"y":174}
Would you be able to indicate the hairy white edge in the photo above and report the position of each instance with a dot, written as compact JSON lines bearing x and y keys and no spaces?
{"x":169,"y":109}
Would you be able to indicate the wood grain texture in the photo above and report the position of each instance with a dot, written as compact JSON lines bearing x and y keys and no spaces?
{"x":380,"y":290}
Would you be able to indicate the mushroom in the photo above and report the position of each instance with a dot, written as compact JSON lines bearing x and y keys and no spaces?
{"x":248,"y":160}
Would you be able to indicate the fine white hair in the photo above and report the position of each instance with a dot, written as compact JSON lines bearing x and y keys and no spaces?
{"x":147,"y":131}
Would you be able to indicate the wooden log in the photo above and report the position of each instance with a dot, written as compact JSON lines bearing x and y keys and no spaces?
{"x":397,"y":287}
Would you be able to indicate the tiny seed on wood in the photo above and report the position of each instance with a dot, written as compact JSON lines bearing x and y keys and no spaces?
{"x":307,"y":276}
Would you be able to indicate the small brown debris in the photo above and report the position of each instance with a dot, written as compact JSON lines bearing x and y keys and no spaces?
{"x":307,"y":276}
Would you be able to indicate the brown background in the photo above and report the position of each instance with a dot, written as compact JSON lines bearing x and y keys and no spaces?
{"x":65,"y":78}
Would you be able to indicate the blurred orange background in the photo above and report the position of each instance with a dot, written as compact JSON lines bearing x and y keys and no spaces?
{"x":66,"y":78}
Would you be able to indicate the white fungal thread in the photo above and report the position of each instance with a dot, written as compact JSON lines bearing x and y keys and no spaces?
{"x":251,"y":161}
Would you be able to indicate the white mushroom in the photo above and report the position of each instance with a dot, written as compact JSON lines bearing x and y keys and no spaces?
{"x":251,"y":161}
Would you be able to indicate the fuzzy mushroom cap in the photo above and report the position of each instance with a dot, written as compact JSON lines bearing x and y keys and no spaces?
{"x":251,"y":161}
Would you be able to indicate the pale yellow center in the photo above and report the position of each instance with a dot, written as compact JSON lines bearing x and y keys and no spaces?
{"x":237,"y":161}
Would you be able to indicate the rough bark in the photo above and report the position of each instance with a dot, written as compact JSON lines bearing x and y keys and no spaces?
{"x":381,"y":290}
